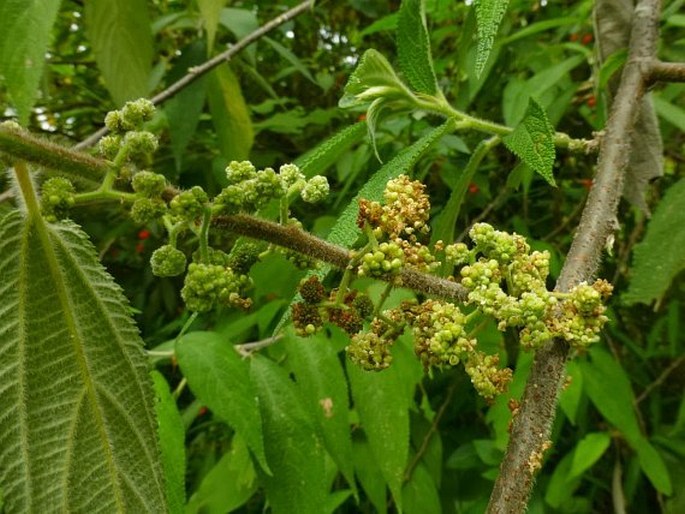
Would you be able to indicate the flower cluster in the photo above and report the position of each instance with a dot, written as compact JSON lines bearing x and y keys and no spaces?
{"x":372,"y":350}
{"x":57,"y":197}
{"x":127,"y":139}
{"x":508,"y":281}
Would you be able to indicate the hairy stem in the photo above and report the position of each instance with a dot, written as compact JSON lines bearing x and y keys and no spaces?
{"x":531,"y":426}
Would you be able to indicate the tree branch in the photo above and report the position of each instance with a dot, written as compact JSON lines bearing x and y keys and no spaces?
{"x":531,"y":426}
{"x":659,"y":71}
{"x":197,"y":71}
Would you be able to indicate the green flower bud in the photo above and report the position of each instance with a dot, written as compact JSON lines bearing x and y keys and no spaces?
{"x":290,"y":175}
{"x":315,"y":190}
{"x":140,"y":143}
{"x":237,"y":172}
{"x":145,"y":210}
{"x":57,"y":197}
{"x":135,"y":113}
{"x":148,"y":184}
{"x":189,"y":205}
{"x":109,"y":146}
{"x":167,"y":261}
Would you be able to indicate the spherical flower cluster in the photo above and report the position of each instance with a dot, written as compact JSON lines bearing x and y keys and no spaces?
{"x":146,"y":210}
{"x":140,"y":143}
{"x":126,"y":126}
{"x":370,"y":351}
{"x":148,"y":184}
{"x":130,"y":117}
{"x":385,"y":260}
{"x":167,"y":261}
{"x":189,"y":205}
{"x":315,"y":190}
{"x":457,"y":254}
{"x":57,"y":197}
{"x":486,"y":375}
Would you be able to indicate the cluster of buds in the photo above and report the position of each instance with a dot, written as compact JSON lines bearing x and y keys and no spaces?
{"x":318,"y":306}
{"x":57,"y":197}
{"x":508,"y":281}
{"x":372,"y":350}
{"x":127,"y":140}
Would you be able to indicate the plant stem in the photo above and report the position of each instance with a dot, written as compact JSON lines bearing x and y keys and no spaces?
{"x":204,"y":236}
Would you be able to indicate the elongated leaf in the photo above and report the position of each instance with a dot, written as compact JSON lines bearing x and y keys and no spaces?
{"x":119,"y":32}
{"x":321,"y":380}
{"x":25,"y":27}
{"x":489,"y":14}
{"x":293,"y":447}
{"x":413,"y":47}
{"x":241,"y":22}
{"x":380,"y":400}
{"x":320,"y":158}
{"x":172,"y":443}
{"x":588,"y":451}
{"x":654,"y":467}
{"x":77,"y":429}
{"x":533,"y":141}
{"x":230,"y":115}
{"x":661,"y":255}
{"x":290,"y":57}
{"x":420,"y":494}
{"x":228,"y":485}
{"x":220,"y":378}
{"x":210,"y":11}
{"x":369,"y":475}
{"x":669,"y":112}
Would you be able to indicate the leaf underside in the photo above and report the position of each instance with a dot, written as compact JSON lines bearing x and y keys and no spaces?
{"x":413,"y":47}
{"x":77,"y":427}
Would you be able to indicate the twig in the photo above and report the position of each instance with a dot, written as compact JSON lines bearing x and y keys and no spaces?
{"x":197,"y":71}
{"x":246,"y":349}
{"x":531,"y":426}
{"x":660,"y":379}
{"x":660,"y":71}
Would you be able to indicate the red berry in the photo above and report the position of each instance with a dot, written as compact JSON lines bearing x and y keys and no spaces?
{"x":202,"y":411}
{"x":473,"y":188}
{"x":586,"y":183}
{"x":143,"y":234}
{"x":591,"y":101}
{"x":587,"y":39}
{"x":361,"y":117}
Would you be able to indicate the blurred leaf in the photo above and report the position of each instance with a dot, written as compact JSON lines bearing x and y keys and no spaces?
{"x":660,"y":256}
{"x":653,"y":466}
{"x":25,"y":28}
{"x":386,"y":23}
{"x":228,"y":485}
{"x":588,"y":451}
{"x":210,"y":10}
{"x":561,"y":486}
{"x":293,"y":448}
{"x":119,"y":32}
{"x":420,"y":493}
{"x":241,"y":22}
{"x":533,"y":141}
{"x":291,"y":58}
{"x":220,"y":379}
{"x":671,"y":113}
{"x":413,"y":47}
{"x":615,"y":402}
{"x":320,"y":378}
{"x":489,"y":14}
{"x":183,"y":110}
{"x":571,"y":394}
{"x":381,"y":402}
{"x":230,"y":114}
{"x":76,"y":398}
{"x":172,"y":444}
{"x":369,"y":475}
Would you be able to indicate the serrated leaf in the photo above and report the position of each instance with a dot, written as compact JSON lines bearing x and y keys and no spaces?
{"x":220,"y":379}
{"x":293,"y":447}
{"x":25,"y":28}
{"x":381,"y":402}
{"x":317,"y":160}
{"x":413,"y":47}
{"x":228,"y":485}
{"x":230,"y":115}
{"x":588,"y":451}
{"x":210,"y":11}
{"x":77,"y":430}
{"x":489,"y":14}
{"x":660,"y":256}
{"x":533,"y":141}
{"x":184,"y":109}
{"x":119,"y":32}
{"x":321,"y":380}
{"x":172,"y":444}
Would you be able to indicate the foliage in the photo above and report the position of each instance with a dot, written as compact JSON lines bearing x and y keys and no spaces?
{"x":256,"y":396}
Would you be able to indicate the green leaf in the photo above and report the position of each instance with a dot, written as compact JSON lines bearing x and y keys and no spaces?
{"x":210,"y":10}
{"x":220,"y":378}
{"x":317,"y":160}
{"x":588,"y":451}
{"x":369,"y":475}
{"x":241,"y":22}
{"x":228,"y":485}
{"x":230,"y":115}
{"x":489,"y":14}
{"x":571,"y":394}
{"x":380,"y":400}
{"x":561,"y":486}
{"x":76,"y":397}
{"x":413,"y":47}
{"x":321,"y":380}
{"x":533,"y":141}
{"x":25,"y":28}
{"x":660,"y":257}
{"x":291,"y":58}
{"x":614,"y":402}
{"x":183,"y":110}
{"x":654,"y":467}
{"x":420,"y":494}
{"x":119,"y":32}
{"x":670,"y":112}
{"x":172,"y":442}
{"x":293,"y":447}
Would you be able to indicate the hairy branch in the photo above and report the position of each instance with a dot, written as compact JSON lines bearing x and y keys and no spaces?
{"x":303,"y":242}
{"x":659,"y":71}
{"x":197,"y":71}
{"x":531,"y":426}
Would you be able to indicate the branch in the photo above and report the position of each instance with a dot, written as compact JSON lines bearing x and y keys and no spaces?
{"x":660,"y":71}
{"x":531,"y":426}
{"x":303,"y":242}
{"x":197,"y":71}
